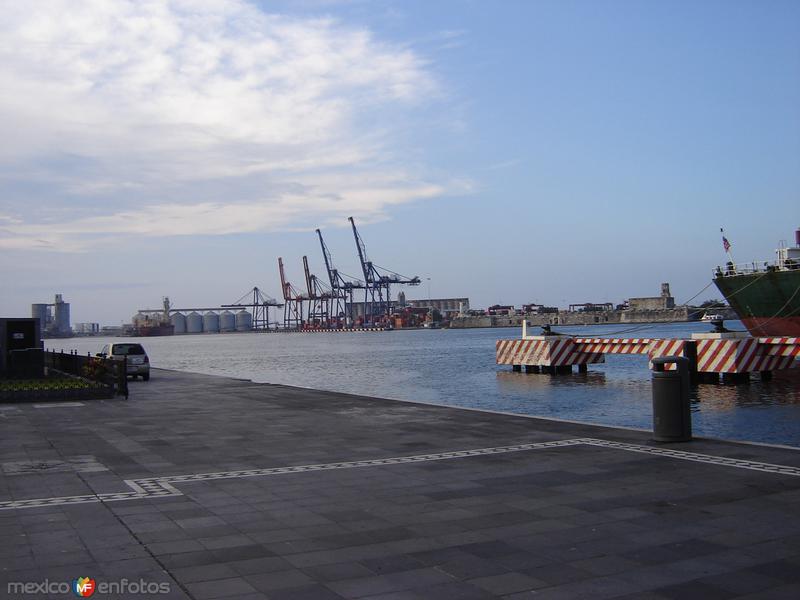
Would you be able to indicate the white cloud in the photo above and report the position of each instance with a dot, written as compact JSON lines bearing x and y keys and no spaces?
{"x":142,"y":104}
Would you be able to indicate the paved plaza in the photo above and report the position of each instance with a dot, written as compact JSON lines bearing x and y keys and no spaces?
{"x":207,"y":487}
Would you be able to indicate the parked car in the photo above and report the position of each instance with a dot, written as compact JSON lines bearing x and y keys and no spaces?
{"x":138,"y":362}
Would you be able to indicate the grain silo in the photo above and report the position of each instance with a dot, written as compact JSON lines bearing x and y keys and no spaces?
{"x":41,"y":312}
{"x":211,"y":322}
{"x":178,"y":321}
{"x":194,"y":323}
{"x":244,"y":321}
{"x":227,"y":321}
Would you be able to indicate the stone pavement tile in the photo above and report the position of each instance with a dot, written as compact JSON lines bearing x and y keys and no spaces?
{"x":457,"y":590}
{"x":203,"y":573}
{"x":391,"y":564}
{"x":782,"y":570}
{"x":643,"y":595}
{"x":235,"y":553}
{"x":508,"y":583}
{"x":264,"y":564}
{"x":266,"y":582}
{"x":163,"y":535}
{"x":604,"y":565}
{"x":194,"y":522}
{"x":784,"y":592}
{"x":309,"y":592}
{"x":225,"y":541}
{"x":175,"y":547}
{"x":417,"y":578}
{"x":338,"y":571}
{"x":130,"y":551}
{"x":59,"y":558}
{"x":470,"y":566}
{"x":489,"y":549}
{"x":366,"y":586}
{"x":695,"y":590}
{"x":188,"y":559}
{"x":220,"y":588}
{"x":744,"y":581}
{"x":598,"y":588}
{"x":129,"y":567}
{"x":556,"y":573}
{"x":400,"y":595}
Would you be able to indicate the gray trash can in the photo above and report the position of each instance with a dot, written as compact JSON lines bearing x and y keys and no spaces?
{"x":672,"y":417}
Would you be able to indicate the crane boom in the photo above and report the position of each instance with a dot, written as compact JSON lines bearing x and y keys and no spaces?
{"x":366,"y":266}
{"x":326,"y":255}
{"x":311,"y":290}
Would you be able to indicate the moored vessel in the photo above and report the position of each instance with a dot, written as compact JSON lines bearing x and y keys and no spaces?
{"x":765,"y":295}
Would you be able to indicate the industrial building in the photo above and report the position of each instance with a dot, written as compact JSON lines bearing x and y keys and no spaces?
{"x":53,"y":318}
{"x":86,"y":329}
{"x":662,"y":302}
{"x":446,"y":306}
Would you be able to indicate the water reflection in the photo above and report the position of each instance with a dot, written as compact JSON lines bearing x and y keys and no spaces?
{"x":511,"y":382}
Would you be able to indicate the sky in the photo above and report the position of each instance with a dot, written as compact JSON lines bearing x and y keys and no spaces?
{"x":511,"y":152}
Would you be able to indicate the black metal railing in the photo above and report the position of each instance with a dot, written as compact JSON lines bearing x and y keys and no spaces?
{"x":107,"y":371}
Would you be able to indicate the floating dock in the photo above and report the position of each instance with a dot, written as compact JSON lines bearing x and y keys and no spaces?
{"x":733,"y":356}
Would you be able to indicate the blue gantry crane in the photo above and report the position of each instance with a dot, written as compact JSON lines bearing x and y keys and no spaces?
{"x":377,"y":299}
{"x":342,"y":300}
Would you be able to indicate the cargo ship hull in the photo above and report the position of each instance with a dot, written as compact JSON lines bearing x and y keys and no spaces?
{"x":154,"y":330}
{"x":767,"y":302}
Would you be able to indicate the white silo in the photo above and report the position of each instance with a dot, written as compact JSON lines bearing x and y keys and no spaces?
{"x":227,"y":321}
{"x":211,"y":322}
{"x":244,"y":321}
{"x":178,"y":320}
{"x":194,"y":323}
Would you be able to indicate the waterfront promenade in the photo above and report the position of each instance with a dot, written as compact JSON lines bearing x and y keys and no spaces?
{"x":224,"y":488}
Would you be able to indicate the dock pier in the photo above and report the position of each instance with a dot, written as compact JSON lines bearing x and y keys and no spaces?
{"x":730,"y":357}
{"x":223,"y":488}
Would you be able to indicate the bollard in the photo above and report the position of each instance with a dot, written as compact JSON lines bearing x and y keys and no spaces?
{"x":672,"y":418}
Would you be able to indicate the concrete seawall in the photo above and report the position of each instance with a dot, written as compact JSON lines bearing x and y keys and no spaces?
{"x":670,"y":315}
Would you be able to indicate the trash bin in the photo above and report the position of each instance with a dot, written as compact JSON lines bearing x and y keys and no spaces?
{"x":672,"y":417}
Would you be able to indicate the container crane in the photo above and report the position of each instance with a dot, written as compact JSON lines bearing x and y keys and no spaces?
{"x":341,"y":289}
{"x":377,"y":299}
{"x":320,"y":297}
{"x":293,"y":302}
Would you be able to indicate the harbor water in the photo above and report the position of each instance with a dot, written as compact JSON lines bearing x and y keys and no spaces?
{"x":457,"y":367}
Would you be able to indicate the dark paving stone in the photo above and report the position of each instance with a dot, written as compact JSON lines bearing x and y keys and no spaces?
{"x":392,"y":564}
{"x":219,"y":588}
{"x":267,"y":582}
{"x":309,"y":592}
{"x":694,"y":590}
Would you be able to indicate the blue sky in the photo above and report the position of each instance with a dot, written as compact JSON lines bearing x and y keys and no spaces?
{"x":556,"y":152}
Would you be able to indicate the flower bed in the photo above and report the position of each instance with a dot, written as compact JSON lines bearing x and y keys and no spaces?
{"x":52,"y":388}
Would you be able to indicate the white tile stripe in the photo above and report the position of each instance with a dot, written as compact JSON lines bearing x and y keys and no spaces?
{"x":159,"y":487}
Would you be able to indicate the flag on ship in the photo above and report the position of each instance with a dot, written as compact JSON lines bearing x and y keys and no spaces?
{"x":725,"y":243}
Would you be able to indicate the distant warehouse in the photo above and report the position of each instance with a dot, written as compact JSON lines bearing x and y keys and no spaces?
{"x":662,"y":302}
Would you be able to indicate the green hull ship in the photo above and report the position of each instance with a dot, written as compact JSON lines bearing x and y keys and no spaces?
{"x":766,"y":297}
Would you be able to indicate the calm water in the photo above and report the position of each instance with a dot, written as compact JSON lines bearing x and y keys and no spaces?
{"x":457,"y":367}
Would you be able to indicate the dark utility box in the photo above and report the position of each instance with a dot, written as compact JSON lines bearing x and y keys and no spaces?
{"x":18,"y":334}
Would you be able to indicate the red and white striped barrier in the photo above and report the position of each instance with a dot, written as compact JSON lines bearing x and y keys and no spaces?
{"x":547,"y":352}
{"x":714,"y":355}
{"x":747,"y":355}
